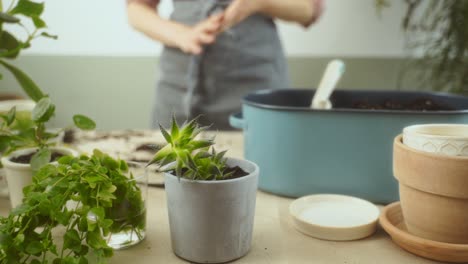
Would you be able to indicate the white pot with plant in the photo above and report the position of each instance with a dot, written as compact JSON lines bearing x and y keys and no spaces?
{"x":210,"y":199}
{"x":26,"y":151}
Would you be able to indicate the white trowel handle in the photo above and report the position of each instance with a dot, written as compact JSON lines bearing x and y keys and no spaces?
{"x":332,"y":75}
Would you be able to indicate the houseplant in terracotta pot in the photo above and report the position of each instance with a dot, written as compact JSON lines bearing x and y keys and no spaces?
{"x":210,"y":199}
{"x":433,"y":193}
{"x":25,"y":151}
{"x":73,"y":210}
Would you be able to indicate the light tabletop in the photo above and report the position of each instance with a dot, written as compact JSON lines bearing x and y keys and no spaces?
{"x":275,"y":240}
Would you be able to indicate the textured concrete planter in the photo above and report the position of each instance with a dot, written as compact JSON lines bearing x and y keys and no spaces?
{"x":433,"y":193}
{"x":212,"y":221}
{"x":19,"y":175}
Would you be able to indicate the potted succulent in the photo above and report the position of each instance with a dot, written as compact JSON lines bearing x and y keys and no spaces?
{"x":27,"y":150}
{"x":85,"y":201}
{"x":210,"y":199}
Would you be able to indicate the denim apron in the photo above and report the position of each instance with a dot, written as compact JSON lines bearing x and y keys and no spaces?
{"x":247,"y":57}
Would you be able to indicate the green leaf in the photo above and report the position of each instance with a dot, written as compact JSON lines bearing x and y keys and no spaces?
{"x":71,"y":240}
{"x":35,"y":247}
{"x":40,"y":159}
{"x":95,"y":240}
{"x":28,"y":85}
{"x":165,"y":134}
{"x":6,"y":18}
{"x":43,"y":110}
{"x":38,"y":22}
{"x":11,"y":116}
{"x":9,"y":44}
{"x":28,"y":8}
{"x":47,"y":35}
{"x":84,"y":122}
{"x":174,"y":128}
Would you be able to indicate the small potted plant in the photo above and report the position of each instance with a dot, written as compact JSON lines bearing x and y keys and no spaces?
{"x":27,"y":150}
{"x":69,"y":212}
{"x":210,"y":198}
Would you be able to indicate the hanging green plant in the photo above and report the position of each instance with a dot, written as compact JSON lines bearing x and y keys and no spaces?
{"x":11,"y":45}
{"x":438,"y":29}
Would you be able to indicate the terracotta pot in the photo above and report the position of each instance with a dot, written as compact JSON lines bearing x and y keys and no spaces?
{"x":433,"y":193}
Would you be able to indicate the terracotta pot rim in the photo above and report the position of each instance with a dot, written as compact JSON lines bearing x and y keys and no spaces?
{"x":439,"y":175}
{"x":398,"y":141}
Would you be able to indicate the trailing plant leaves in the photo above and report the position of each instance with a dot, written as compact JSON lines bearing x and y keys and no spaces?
{"x":9,"y":44}
{"x":83,"y":122}
{"x":47,"y":35}
{"x":40,"y":158}
{"x":6,"y":18}
{"x":38,"y":22}
{"x":28,"y":85}
{"x":35,"y":247}
{"x":28,"y":8}
{"x":43,"y":110}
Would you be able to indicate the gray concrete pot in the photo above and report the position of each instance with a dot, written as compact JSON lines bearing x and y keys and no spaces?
{"x":212,"y":221}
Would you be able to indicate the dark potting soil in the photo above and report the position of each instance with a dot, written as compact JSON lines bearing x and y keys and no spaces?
{"x":237,"y":173}
{"x":69,"y":136}
{"x":422,"y":104}
{"x":26,"y":159}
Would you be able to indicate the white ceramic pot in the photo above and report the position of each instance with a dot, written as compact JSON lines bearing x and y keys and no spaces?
{"x":5,"y":106}
{"x":443,"y":139}
{"x":19,"y":175}
{"x":21,"y":105}
{"x":212,"y":221}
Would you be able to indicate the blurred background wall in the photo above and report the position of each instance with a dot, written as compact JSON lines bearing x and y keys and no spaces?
{"x":100,"y":67}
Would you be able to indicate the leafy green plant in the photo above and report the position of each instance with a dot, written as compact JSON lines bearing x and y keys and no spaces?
{"x":37,"y":135}
{"x":100,"y":192}
{"x":191,"y":158}
{"x":440,"y":30}
{"x":11,"y":45}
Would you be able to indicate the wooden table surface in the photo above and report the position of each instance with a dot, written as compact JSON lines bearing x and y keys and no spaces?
{"x":275,"y":239}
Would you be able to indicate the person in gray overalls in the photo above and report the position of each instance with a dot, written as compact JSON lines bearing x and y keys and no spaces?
{"x":215,"y":52}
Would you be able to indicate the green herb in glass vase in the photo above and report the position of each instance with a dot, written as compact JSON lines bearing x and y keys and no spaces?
{"x":79,"y":199}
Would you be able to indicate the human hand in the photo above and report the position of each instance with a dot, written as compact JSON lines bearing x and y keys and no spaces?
{"x":192,"y":39}
{"x":239,"y":10}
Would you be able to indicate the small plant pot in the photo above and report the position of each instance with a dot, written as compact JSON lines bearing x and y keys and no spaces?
{"x":212,"y":221}
{"x":19,"y":175}
{"x":433,"y":193}
{"x":23,"y":112}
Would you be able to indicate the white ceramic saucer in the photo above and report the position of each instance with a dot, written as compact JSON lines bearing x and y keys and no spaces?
{"x":334,"y":217}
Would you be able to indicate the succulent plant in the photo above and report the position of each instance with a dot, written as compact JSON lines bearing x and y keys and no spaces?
{"x":188,"y":156}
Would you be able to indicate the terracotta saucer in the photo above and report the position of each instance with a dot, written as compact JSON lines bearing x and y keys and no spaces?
{"x":391,"y":219}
